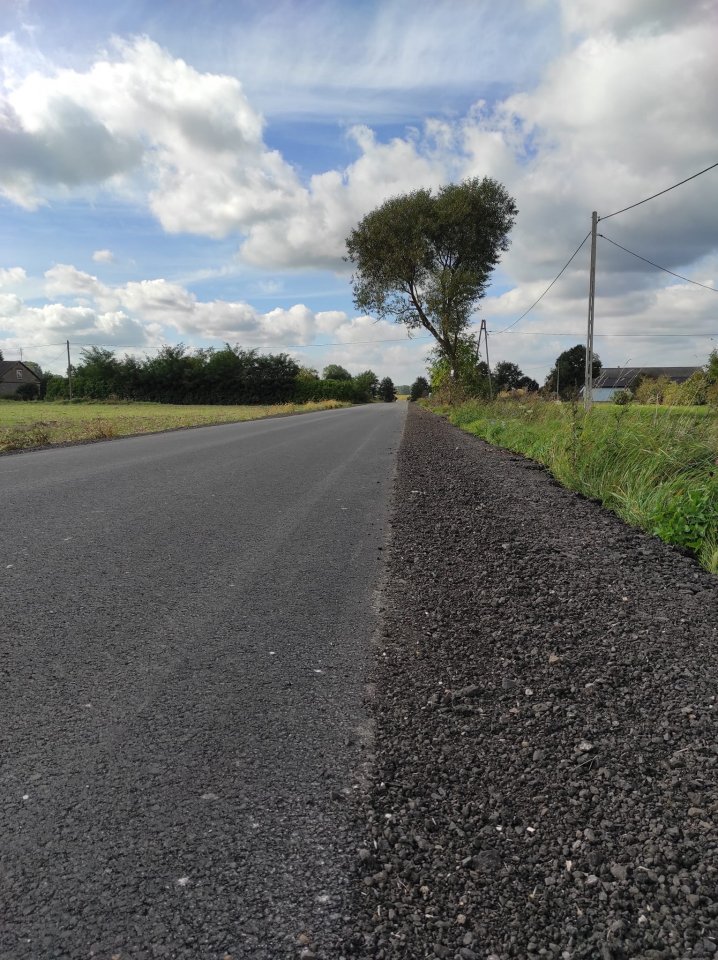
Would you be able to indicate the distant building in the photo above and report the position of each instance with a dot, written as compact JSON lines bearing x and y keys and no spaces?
{"x":612,"y":380}
{"x":13,"y":374}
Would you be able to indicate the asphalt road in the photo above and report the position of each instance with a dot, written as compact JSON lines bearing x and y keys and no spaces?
{"x":185,"y":626}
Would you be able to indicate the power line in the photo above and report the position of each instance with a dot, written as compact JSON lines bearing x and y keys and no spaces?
{"x":558,"y":275}
{"x":37,"y":346}
{"x":658,"y":266}
{"x":273,"y":346}
{"x":660,"y":193}
{"x":647,"y":336}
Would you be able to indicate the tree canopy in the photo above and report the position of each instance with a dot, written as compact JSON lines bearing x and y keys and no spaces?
{"x":507,"y":376}
{"x":368,"y":382}
{"x":387,"y":393}
{"x":206,"y":375}
{"x":419,"y":388}
{"x":425,"y":259}
{"x":568,"y":373}
{"x":334,"y":372}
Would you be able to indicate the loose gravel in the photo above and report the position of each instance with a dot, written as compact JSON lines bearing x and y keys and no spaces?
{"x":544,"y":770}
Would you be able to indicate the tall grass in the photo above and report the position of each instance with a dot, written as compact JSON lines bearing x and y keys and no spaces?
{"x":656,"y":467}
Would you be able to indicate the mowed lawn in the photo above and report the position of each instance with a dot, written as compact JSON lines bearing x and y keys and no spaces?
{"x":24,"y":425}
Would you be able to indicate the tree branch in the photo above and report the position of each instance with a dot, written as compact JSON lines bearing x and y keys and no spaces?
{"x":423,"y":317}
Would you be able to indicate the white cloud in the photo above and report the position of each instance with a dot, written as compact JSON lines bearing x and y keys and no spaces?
{"x":11,"y":276}
{"x":193,"y":139}
{"x":64,"y":279}
{"x":103,"y":256}
{"x":624,"y":108}
{"x":147,"y":313}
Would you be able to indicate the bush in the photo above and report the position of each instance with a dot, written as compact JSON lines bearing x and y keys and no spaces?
{"x":622,"y":398}
{"x":27,"y":391}
{"x":56,"y":388}
{"x":345,"y":390}
{"x":662,"y":391}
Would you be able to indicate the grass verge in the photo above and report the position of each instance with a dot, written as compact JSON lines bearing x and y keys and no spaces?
{"x":38,"y":424}
{"x":656,"y":467}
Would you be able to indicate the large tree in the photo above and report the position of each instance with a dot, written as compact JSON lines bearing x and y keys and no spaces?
{"x":419,"y":389}
{"x":387,"y":391}
{"x":367,"y":382}
{"x":568,"y":373}
{"x":335,"y":372}
{"x":507,"y":376}
{"x":425,"y":259}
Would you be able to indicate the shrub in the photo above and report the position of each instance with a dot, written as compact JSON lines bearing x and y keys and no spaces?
{"x":27,"y":391}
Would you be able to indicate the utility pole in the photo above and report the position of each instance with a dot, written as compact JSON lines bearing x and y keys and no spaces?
{"x":484,"y":330}
{"x":588,"y":378}
{"x":69,"y":373}
{"x":20,"y":354}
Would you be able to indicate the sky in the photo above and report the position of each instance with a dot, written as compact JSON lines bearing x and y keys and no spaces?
{"x":176,"y":171}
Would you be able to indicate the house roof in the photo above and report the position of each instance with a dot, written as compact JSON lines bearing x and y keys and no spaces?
{"x":7,"y":365}
{"x":623,"y":377}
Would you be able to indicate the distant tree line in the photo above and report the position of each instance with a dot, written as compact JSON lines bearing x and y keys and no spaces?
{"x":229,"y":375}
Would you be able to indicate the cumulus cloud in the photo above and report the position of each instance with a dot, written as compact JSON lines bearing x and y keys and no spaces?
{"x":10,"y":276}
{"x":623,"y":109}
{"x":192,"y":139}
{"x":145,"y":314}
{"x":103,"y":256}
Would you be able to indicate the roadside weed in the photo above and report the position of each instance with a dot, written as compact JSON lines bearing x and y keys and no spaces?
{"x":656,"y":467}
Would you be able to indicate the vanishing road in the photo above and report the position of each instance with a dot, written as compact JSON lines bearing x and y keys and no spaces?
{"x":185,"y":623}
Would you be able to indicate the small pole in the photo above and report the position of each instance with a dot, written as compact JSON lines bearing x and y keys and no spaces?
{"x":20,"y":354}
{"x":69,"y":372}
{"x":558,"y":375}
{"x":588,"y":378}
{"x":483,"y":329}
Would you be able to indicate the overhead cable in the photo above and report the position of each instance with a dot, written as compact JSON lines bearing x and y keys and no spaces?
{"x":658,"y":266}
{"x":660,"y":193}
{"x":558,"y":275}
{"x":648,"y":336}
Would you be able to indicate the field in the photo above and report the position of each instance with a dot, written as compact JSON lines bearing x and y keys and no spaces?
{"x":656,"y":467}
{"x":37,"y":424}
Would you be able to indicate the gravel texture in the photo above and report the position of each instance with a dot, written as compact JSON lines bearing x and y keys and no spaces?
{"x":545,"y":760}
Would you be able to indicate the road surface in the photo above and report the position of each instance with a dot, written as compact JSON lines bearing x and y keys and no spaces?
{"x":185,"y":625}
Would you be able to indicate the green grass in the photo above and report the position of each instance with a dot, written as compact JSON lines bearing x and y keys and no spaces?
{"x":657,"y":467}
{"x":37,"y":423}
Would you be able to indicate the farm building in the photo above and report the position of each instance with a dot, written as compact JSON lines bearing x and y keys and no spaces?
{"x":13,"y":374}
{"x":612,"y":380}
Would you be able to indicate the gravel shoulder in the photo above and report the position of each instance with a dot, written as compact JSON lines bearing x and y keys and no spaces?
{"x":545,"y":759}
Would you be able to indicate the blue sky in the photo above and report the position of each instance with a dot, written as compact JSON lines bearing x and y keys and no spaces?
{"x":176,"y":171}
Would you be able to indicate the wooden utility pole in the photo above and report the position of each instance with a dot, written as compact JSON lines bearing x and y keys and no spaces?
{"x":69,"y":373}
{"x":588,"y":378}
